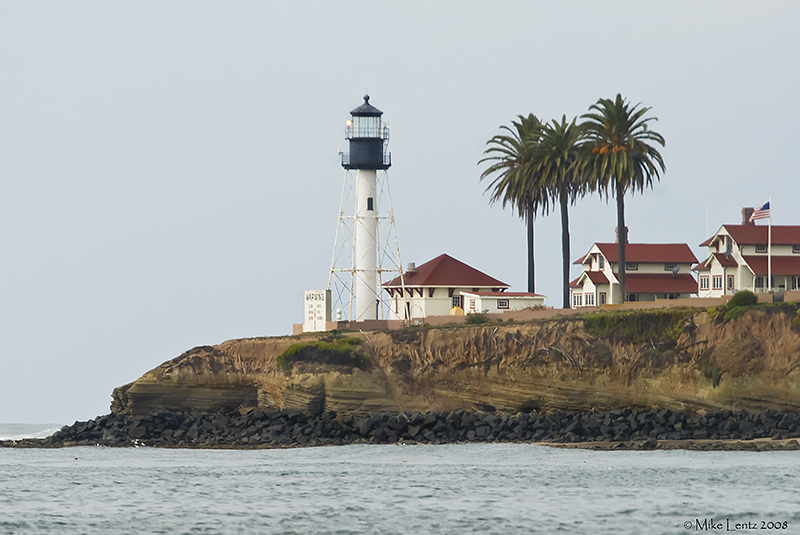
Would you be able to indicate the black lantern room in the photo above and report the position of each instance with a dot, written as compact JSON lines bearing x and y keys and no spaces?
{"x":368,"y":139}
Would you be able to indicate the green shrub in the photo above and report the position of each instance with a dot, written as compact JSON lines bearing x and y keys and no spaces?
{"x":341,"y":352}
{"x":743,"y":298}
{"x":476,"y":318}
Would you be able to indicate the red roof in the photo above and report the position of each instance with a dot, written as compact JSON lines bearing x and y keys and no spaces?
{"x":781,"y":265}
{"x":705,"y":265}
{"x":757,"y":234}
{"x":725,"y":262}
{"x":574,"y":283}
{"x":505,"y":294}
{"x":597,"y":277}
{"x":444,"y":270}
{"x":683,"y":283}
{"x":654,"y":253}
{"x":581,"y":259}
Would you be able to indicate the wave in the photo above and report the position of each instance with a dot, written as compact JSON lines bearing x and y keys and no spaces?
{"x":20,"y":431}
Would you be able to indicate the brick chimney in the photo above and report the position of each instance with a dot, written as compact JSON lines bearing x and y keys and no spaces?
{"x":627,"y":236}
{"x":746,"y":213}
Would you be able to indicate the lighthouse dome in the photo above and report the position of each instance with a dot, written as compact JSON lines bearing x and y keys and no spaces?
{"x":366,"y":110}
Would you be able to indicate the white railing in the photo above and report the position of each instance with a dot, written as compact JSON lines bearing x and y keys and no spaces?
{"x":765,"y":290}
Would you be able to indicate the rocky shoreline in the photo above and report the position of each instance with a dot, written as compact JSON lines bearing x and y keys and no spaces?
{"x":273,"y":428}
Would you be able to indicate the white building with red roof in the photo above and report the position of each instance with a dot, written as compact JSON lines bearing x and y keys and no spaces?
{"x":652,"y":271}
{"x":439,"y":285}
{"x":738,"y":259}
{"x":498,"y":302}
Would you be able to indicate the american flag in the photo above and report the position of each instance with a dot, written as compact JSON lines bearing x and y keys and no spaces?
{"x":761,"y":212}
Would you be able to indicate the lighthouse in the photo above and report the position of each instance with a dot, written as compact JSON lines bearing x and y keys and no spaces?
{"x":367,"y":141}
{"x":365,"y":247}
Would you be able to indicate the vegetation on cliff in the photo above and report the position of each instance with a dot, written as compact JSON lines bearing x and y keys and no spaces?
{"x":654,"y":326}
{"x":337,"y":351}
{"x":739,"y":304}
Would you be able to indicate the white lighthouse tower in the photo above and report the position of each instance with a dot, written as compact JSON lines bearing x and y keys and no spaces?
{"x":361,"y":249}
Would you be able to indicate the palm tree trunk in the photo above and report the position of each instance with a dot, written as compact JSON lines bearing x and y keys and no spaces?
{"x":531,"y":272}
{"x":565,"y":256}
{"x":622,"y":238}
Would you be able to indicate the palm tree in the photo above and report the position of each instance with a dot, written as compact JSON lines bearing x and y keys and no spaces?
{"x":620,"y":157}
{"x":556,"y":161}
{"x":510,"y":156}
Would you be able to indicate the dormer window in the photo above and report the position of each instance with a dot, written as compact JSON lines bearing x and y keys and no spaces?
{"x":601,"y":262}
{"x":631,"y":266}
{"x":796,"y":248}
{"x":761,"y":248}
{"x":669,"y":266}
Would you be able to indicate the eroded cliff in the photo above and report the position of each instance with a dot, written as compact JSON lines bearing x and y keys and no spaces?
{"x":677,"y":359}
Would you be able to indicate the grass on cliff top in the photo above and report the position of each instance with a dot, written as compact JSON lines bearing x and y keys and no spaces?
{"x":738,"y":306}
{"x":663,"y":325}
{"x":340,"y":352}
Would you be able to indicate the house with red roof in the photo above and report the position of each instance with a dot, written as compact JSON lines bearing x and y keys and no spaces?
{"x":652,"y":271}
{"x":738,"y":259}
{"x":446,"y":284}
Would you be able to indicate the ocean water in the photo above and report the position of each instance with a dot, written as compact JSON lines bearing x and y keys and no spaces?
{"x":460,"y":488}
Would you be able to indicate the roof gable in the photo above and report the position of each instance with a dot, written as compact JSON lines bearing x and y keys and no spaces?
{"x":446,"y":271}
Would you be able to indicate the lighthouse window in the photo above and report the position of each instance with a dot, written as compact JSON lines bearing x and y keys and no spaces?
{"x":369,"y":204}
{"x":366,"y":126}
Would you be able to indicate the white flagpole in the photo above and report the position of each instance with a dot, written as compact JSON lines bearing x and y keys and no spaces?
{"x":769,"y":247}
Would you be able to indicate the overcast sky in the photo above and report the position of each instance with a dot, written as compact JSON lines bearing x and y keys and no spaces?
{"x":170,"y":175}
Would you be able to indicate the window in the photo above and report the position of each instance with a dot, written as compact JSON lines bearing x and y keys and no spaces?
{"x":577,"y":300}
{"x":631,"y":266}
{"x":730,"y":282}
{"x":669,"y":266}
{"x":602,"y":298}
{"x":704,"y":282}
{"x":589,"y":300}
{"x":370,"y":206}
{"x":502,"y":303}
{"x":457,"y":301}
{"x":717,"y":282}
{"x":633,"y":297}
{"x":795,"y":282}
{"x":761,"y":248}
{"x":601,"y":262}
{"x":472,"y":304}
{"x":759,"y":282}
{"x":796,"y":248}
